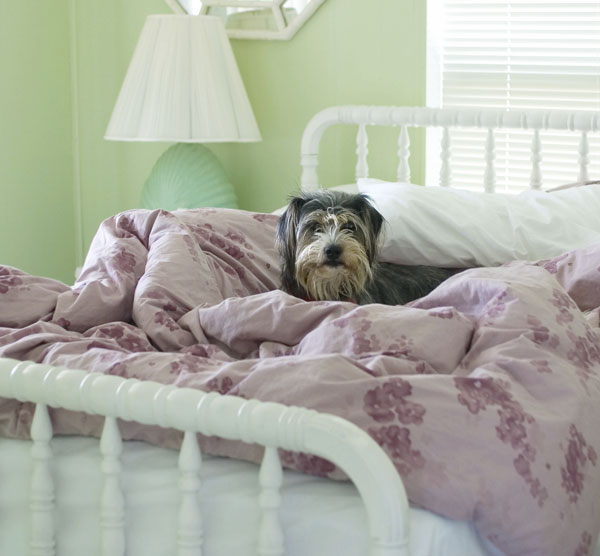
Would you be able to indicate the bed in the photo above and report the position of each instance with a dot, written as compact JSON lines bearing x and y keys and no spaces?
{"x":236,"y":419}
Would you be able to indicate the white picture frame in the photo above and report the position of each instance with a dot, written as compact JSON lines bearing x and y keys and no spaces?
{"x":253,"y":19}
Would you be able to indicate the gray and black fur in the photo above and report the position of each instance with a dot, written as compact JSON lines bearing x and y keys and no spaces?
{"x":328,"y":243}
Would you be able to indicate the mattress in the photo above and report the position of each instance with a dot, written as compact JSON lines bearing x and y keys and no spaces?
{"x":320,"y":517}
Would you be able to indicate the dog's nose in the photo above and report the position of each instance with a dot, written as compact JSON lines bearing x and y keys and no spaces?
{"x":333,"y":252}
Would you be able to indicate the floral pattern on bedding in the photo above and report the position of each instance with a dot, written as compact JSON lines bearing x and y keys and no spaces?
{"x":485,"y":394}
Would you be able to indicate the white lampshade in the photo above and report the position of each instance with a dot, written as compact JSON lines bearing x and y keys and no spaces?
{"x":183,"y":85}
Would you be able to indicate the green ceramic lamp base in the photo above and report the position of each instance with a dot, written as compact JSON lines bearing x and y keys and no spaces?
{"x":187,"y":175}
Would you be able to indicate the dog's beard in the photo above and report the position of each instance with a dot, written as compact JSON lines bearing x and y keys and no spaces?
{"x":342,"y":281}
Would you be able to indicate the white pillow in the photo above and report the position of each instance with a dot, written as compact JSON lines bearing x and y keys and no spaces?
{"x":458,"y":228}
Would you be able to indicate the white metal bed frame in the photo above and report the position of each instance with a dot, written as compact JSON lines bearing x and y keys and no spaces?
{"x":404,"y":117}
{"x":269,"y":424}
{"x":191,"y":411}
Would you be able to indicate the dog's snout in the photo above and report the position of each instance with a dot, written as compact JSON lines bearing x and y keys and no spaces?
{"x":333,"y":252}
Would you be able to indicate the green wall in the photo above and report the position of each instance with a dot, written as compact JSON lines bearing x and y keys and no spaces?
{"x":349,"y":52}
{"x":36,"y":165}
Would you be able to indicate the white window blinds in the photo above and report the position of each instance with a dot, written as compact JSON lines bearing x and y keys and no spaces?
{"x":518,"y":55}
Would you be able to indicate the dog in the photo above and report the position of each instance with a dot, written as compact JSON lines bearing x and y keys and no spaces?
{"x":328,"y":242}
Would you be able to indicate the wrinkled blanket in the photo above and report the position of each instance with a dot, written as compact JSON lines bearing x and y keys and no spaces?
{"x":485,"y":394}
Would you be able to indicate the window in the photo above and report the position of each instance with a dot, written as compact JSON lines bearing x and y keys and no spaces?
{"x":514,"y":55}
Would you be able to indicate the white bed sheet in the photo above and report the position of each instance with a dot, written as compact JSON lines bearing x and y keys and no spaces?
{"x":320,"y":517}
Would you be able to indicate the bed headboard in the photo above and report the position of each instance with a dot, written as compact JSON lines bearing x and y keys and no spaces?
{"x":445,"y":119}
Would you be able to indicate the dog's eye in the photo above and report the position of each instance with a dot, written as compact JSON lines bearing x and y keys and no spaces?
{"x":349,"y":226}
{"x":316,"y":229}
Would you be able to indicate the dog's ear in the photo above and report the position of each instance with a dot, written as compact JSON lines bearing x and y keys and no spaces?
{"x":373,"y":221}
{"x":288,"y":223}
{"x":286,"y":241}
{"x":371,"y":215}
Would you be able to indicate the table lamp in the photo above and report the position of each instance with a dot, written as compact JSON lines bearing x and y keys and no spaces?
{"x":183,"y":86}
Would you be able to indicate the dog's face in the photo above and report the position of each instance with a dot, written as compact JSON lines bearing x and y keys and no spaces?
{"x":328,"y":243}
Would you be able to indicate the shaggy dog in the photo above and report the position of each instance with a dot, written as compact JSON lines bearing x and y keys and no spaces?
{"x":328,"y":242}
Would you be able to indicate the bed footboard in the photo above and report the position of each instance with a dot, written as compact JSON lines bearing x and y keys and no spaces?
{"x":191,"y":411}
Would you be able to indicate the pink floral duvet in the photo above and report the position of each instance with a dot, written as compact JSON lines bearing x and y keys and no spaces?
{"x":485,"y":394}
